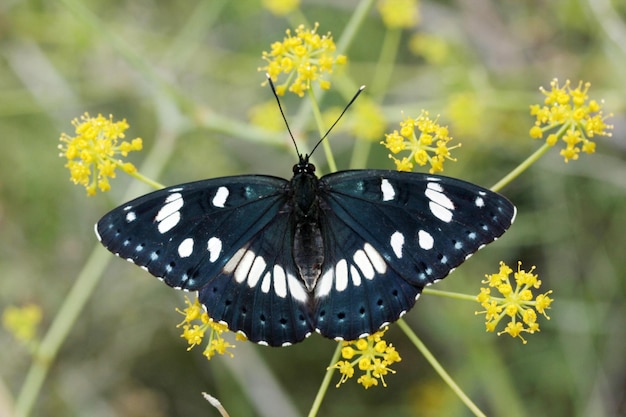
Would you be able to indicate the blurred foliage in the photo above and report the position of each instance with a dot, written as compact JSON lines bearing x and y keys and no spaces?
{"x":184,"y":75}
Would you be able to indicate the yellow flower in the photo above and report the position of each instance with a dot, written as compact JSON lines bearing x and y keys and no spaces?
{"x":194,"y":333}
{"x":399,"y":14}
{"x":305,"y":58}
{"x":22,"y":322}
{"x":418,"y":135}
{"x":280,"y":7}
{"x":516,"y":303}
{"x":433,"y":49}
{"x":91,"y":154}
{"x":372,"y":355}
{"x":265,"y":115}
{"x":574,"y":117}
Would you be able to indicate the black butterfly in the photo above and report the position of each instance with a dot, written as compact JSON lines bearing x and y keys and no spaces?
{"x":342,"y":255}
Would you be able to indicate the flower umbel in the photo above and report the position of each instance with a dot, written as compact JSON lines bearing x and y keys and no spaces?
{"x":91,"y":154}
{"x":425,"y":139}
{"x":372,"y":355}
{"x":570,"y":116}
{"x":305,"y":58}
{"x":516,"y":303}
{"x":22,"y":322}
{"x":194,"y":332}
{"x":281,"y":7}
{"x":399,"y":13}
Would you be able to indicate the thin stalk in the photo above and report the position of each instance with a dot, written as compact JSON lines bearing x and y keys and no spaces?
{"x":439,"y":369}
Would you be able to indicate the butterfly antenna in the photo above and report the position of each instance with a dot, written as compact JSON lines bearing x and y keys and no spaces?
{"x":282,"y":113}
{"x":338,"y":118}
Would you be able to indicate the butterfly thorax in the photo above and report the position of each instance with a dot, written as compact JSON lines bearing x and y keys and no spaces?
{"x":308,"y":246}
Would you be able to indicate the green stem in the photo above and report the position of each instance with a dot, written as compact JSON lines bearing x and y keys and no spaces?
{"x":61,"y":325}
{"x":315,"y":407}
{"x":332,"y":165}
{"x":521,"y":168}
{"x":137,"y":175}
{"x":439,"y":369}
{"x":386,"y":60}
{"x":449,"y":294}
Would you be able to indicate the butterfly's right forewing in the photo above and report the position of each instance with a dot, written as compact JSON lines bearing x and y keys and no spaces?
{"x":187,"y":233}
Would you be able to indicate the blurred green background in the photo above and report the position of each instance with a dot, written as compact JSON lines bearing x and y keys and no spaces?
{"x":184,"y":75}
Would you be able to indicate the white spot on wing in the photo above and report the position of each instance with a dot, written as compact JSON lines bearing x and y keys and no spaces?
{"x":425,"y":240}
{"x":214,"y":246}
{"x":440,"y":212}
{"x":280,"y":281}
{"x":220,"y":197}
{"x":439,"y":198}
{"x":356,"y":277}
{"x":266,"y":283}
{"x":479,"y":202}
{"x":377,"y":261}
{"x":234,"y":260}
{"x":324,"y":284}
{"x":173,"y":203}
{"x":241,"y":273}
{"x":341,"y":275}
{"x":387,"y":189}
{"x":296,"y":289}
{"x":185,"y":249}
{"x":257,"y":269}
{"x":130,"y":216}
{"x":363,"y":262}
{"x":397,"y":242}
{"x":434,"y":186}
{"x":169,"y":215}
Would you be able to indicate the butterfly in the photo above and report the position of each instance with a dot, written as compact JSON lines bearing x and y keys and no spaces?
{"x":275,"y":259}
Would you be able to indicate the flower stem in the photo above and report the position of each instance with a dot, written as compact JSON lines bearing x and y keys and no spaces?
{"x":449,"y":294}
{"x":439,"y":369}
{"x":330,"y":159}
{"x":141,"y":177}
{"x":325,"y":383}
{"x":61,"y":325}
{"x":521,"y":168}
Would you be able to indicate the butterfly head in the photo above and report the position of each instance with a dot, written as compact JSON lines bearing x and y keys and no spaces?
{"x":304,"y":166}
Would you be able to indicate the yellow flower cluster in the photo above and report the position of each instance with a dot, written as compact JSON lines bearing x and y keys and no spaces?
{"x":305,"y":58}
{"x":571,"y":116}
{"x":194,"y":333}
{"x":372,"y":355}
{"x":281,"y":7}
{"x":22,"y":322}
{"x":91,"y":154}
{"x":399,"y":14}
{"x":422,"y":137}
{"x":517,"y":303}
